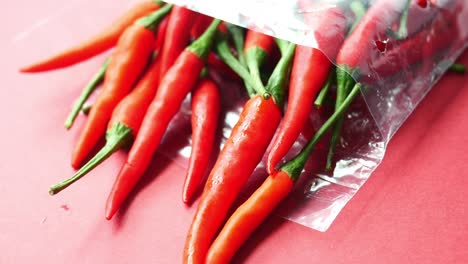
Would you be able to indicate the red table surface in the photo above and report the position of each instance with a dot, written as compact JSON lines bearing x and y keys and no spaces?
{"x":414,"y":208}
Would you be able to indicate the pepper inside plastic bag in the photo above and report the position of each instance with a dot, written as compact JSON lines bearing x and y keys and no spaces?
{"x":404,"y":49}
{"x":407,"y":47}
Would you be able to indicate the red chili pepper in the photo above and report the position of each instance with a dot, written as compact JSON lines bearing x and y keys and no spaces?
{"x":435,"y":37}
{"x":240,"y":155}
{"x":177,"y":35}
{"x":97,"y":44}
{"x":158,"y":44}
{"x":361,"y":42}
{"x":126,"y":65}
{"x":308,"y":75}
{"x":124,"y":124}
{"x":200,"y":25}
{"x":261,"y":203}
{"x":173,"y":88}
{"x":205,"y":111}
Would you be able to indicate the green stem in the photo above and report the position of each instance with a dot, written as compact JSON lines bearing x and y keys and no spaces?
{"x":116,"y":138}
{"x":458,"y":68}
{"x":152,"y":20}
{"x":295,"y":166}
{"x":402,"y":32}
{"x":202,"y":46}
{"x":255,"y":57}
{"x":359,"y":10}
{"x":277,"y":81}
{"x":323,"y":93}
{"x":341,"y":93}
{"x":226,"y":55}
{"x":87,"y":91}
{"x":282,"y":45}
{"x":238,"y":39}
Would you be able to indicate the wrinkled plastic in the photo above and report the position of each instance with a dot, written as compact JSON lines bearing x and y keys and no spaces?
{"x":394,"y":81}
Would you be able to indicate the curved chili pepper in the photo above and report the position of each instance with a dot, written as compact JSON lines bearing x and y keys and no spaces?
{"x":240,"y":155}
{"x":177,"y":35}
{"x":261,"y":203}
{"x":308,"y":75}
{"x":126,"y":65}
{"x":205,"y":111}
{"x":97,"y":44}
{"x":173,"y":88}
{"x":124,"y":124}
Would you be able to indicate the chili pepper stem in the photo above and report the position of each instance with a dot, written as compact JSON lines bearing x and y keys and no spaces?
{"x":358,"y":9}
{"x":153,"y":20}
{"x":458,"y":68}
{"x":202,"y":46}
{"x":343,"y":82}
{"x":279,"y":77}
{"x":295,"y":166}
{"x":116,"y":138}
{"x":225,"y":54}
{"x":323,"y":93}
{"x":90,"y":87}
{"x":254,"y":57}
{"x":402,"y":32}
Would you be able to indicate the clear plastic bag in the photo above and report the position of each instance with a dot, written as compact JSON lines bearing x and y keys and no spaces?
{"x":395,"y":81}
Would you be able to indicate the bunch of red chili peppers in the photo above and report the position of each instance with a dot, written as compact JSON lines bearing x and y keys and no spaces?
{"x":161,"y":55}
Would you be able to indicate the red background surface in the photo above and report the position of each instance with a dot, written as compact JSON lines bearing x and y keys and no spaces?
{"x":414,"y":208}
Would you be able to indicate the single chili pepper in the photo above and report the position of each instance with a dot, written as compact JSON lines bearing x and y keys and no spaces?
{"x":308,"y":75}
{"x":261,"y":203}
{"x":206,"y":106}
{"x":95,"y":81}
{"x":177,"y":35}
{"x":173,"y":88}
{"x":124,"y":124}
{"x":125,"y":66}
{"x":97,"y":44}
{"x":240,"y":155}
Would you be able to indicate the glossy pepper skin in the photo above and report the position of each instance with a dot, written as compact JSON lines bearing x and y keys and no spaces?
{"x":206,"y":105}
{"x":97,"y":44}
{"x":261,"y":203}
{"x":177,"y":35}
{"x":236,"y":162}
{"x":308,"y":75}
{"x":124,"y":124}
{"x":173,"y":88}
{"x":125,"y":66}
{"x":249,"y":216}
